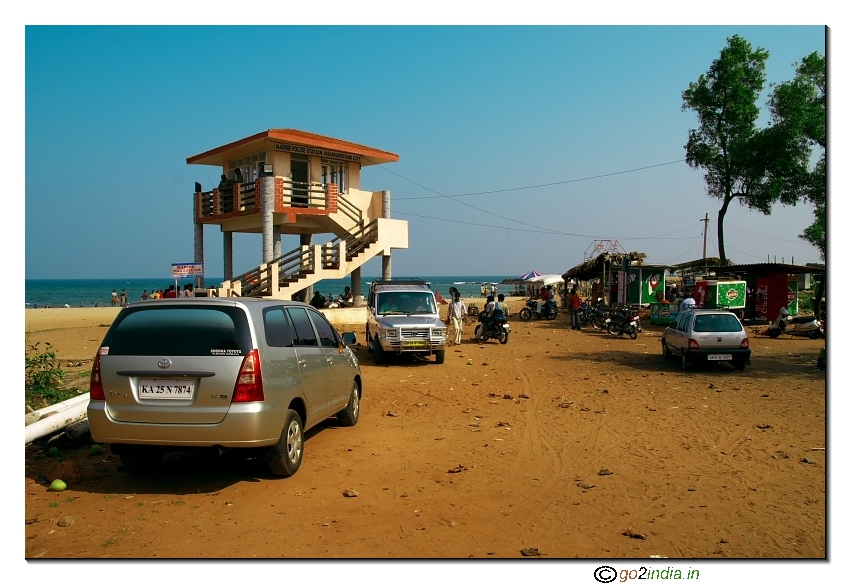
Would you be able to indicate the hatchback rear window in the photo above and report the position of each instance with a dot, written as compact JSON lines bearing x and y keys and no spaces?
{"x":179,"y":331}
{"x":717,"y":323}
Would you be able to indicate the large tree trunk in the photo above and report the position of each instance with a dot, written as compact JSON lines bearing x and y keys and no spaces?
{"x":720,"y":216}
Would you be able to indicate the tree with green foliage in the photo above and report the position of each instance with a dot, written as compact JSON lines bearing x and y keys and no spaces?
{"x":799,"y":106}
{"x":756,"y":166}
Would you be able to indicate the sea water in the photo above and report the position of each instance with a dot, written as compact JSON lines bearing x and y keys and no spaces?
{"x":98,"y":292}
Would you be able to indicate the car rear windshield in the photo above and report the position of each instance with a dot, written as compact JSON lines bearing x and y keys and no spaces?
{"x":179,"y":331}
{"x":717,"y":323}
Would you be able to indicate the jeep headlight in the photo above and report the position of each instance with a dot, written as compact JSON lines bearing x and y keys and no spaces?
{"x":390,"y":333}
{"x":438,"y":332}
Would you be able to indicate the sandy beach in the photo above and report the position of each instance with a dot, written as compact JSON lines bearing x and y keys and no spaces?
{"x":560,"y":440}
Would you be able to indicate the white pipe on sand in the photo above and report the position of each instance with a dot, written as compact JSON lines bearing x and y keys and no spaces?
{"x":34,"y":416}
{"x":56,"y":422}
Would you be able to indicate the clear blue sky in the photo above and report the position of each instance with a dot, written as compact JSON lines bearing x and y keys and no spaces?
{"x":113,"y":112}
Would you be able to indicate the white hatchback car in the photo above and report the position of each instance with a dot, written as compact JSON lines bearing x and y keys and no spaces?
{"x":707,"y":336}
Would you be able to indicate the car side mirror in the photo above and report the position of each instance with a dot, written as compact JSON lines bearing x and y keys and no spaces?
{"x":349,"y":338}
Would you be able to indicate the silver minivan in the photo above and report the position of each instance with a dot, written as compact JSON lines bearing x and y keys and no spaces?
{"x":220,"y":373}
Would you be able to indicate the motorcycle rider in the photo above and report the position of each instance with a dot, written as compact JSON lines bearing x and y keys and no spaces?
{"x":489,"y":314}
{"x":546,"y":295}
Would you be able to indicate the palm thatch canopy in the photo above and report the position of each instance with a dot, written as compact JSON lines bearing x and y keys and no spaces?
{"x":596,"y":266}
{"x":698,"y":264}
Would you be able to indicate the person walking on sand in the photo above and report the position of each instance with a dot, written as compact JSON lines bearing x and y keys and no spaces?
{"x":483,"y":290}
{"x":144,"y":294}
{"x":114,"y":298}
{"x":575,"y":305}
{"x":456,"y":314}
{"x":123,"y":298}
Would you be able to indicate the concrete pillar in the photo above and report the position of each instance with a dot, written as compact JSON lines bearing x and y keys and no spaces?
{"x":307,"y":293}
{"x":386,"y":260}
{"x":267,"y":210}
{"x":199,"y":251}
{"x":356,"y":286}
{"x":227,"y":238}
{"x":276,"y":240}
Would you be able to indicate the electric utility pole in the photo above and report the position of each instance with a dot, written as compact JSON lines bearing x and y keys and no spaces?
{"x":704,"y":235}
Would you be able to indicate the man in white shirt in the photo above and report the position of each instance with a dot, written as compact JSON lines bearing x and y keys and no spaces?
{"x":456,"y":314}
{"x":688,"y":303}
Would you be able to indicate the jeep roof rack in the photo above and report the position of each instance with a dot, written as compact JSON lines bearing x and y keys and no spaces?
{"x":400,"y":281}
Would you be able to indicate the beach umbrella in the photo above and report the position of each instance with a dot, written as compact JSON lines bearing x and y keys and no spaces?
{"x":529,"y":275}
{"x":548,"y":279}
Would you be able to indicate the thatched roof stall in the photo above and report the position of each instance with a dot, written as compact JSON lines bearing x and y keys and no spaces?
{"x":702,"y":266}
{"x":594,"y":268}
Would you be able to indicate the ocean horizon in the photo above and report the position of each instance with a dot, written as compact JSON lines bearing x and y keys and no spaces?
{"x":89,"y":293}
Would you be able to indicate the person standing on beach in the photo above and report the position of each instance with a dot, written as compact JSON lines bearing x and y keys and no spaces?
{"x":483,"y":290}
{"x":114,"y":298}
{"x":123,"y":298}
{"x":144,"y":294}
{"x":575,"y":305}
{"x":456,"y":314}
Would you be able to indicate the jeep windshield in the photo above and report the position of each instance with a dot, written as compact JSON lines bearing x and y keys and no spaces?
{"x":406,"y":303}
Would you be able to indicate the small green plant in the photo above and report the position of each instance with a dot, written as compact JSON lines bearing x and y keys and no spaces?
{"x":53,"y":504}
{"x":109,"y":542}
{"x":43,"y":374}
{"x":178,"y":503}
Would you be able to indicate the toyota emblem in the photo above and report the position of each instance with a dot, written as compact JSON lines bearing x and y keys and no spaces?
{"x":164,"y":363}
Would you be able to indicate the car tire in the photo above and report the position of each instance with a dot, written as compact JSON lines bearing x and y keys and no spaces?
{"x":664,"y":350}
{"x":739,"y":366}
{"x":368,"y":340}
{"x":290,"y":450}
{"x":440,"y":356}
{"x":685,"y":364}
{"x":349,"y":416}
{"x":141,"y":460}
{"x":378,"y":353}
{"x":525,"y":314}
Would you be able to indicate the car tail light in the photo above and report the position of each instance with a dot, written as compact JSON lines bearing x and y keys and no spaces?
{"x":249,"y":384}
{"x":95,"y":384}
{"x":693,"y":344}
{"x":745,"y":343}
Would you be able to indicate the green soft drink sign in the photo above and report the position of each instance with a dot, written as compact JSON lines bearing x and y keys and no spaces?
{"x":732,"y":295}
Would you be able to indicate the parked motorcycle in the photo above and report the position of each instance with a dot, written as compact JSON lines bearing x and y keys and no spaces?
{"x":594,"y":317}
{"x":501,"y":331}
{"x":624,"y":321}
{"x":549,"y":310}
{"x":809,"y":326}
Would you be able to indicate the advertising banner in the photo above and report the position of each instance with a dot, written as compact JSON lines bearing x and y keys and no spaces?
{"x":732,"y":294}
{"x":653,"y":282}
{"x":761,"y":298}
{"x":793,"y":306}
{"x":187,"y":270}
{"x":700,"y":291}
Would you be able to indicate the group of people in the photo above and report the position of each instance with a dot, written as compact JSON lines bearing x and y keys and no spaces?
{"x":119,"y":300}
{"x":457,"y":312}
{"x":344,"y":300}
{"x":225,"y":189}
{"x":188,"y":291}
{"x":492,"y":290}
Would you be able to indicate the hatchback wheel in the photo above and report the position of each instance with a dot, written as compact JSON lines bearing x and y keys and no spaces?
{"x":685,"y":364}
{"x":285,"y":458}
{"x":664,"y":350}
{"x":349,"y":416}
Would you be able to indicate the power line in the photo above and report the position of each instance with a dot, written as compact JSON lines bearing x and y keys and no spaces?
{"x":686,"y":250}
{"x":532,"y":186}
{"x":663,"y":236}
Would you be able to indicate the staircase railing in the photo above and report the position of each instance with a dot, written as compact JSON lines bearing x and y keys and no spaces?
{"x":348,"y":209}
{"x":360,"y":239}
